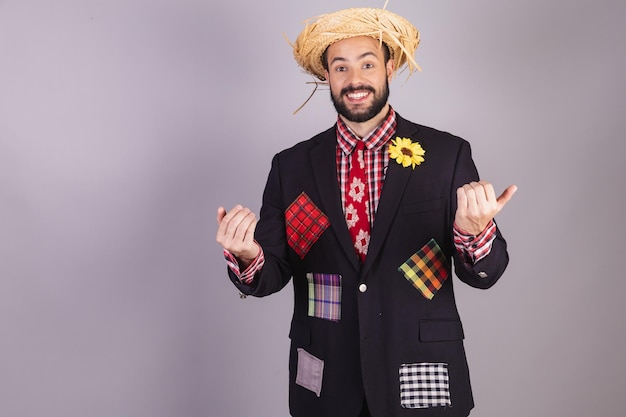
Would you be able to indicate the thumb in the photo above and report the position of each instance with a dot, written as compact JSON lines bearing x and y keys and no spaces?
{"x":221,"y":212}
{"x":506,"y":196}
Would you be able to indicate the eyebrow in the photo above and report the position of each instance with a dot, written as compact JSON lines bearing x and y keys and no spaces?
{"x":363,"y":55}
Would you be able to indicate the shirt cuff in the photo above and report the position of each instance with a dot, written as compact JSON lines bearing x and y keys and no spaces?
{"x":474,"y":248}
{"x":246,"y":276}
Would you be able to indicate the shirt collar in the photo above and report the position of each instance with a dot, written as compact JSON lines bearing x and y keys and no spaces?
{"x":374,"y":141}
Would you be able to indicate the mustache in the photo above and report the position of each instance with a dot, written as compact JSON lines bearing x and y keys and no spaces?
{"x":352,"y":88}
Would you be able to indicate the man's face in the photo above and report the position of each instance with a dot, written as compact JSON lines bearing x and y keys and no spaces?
{"x":358,"y":77}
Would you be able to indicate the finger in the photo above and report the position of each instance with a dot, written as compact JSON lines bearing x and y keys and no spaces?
{"x":488,"y":192}
{"x":227,"y":222}
{"x":234,"y":218}
{"x":245,"y":227}
{"x":506,"y":196}
{"x":249,"y":235}
{"x":461,"y":199}
{"x":472,"y":198}
{"x":239,"y":238}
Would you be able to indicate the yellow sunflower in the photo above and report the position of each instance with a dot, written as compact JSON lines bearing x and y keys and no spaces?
{"x":406,"y":152}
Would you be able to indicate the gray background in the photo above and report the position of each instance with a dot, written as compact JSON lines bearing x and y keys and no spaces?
{"x":124,"y":124}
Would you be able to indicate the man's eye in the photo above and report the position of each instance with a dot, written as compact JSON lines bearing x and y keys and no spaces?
{"x":340,"y":69}
{"x":368,"y":66}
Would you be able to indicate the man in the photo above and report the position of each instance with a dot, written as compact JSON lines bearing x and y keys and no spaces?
{"x":366,"y":218}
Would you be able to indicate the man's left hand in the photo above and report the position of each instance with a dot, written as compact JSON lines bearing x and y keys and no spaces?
{"x":478,"y":205}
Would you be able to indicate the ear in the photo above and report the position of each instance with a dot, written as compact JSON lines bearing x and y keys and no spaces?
{"x":390,"y":67}
{"x":326,"y":74}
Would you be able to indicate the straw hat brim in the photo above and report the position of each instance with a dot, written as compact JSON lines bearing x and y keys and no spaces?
{"x":400,"y":36}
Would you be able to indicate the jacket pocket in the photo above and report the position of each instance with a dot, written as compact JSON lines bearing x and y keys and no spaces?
{"x":424,"y":385}
{"x":420,"y":206}
{"x":324,"y":296}
{"x":427,"y":269}
{"x":440,"y":330}
{"x":304,"y":223}
{"x":310,"y":372}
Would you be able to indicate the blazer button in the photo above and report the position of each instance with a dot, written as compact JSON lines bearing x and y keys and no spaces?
{"x":362,"y":287}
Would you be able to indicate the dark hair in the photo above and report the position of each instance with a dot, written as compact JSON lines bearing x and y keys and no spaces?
{"x":386,"y":55}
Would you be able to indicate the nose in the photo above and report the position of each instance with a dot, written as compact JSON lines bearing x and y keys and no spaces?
{"x":356,"y":77}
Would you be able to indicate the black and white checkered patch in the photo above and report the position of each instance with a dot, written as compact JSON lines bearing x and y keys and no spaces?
{"x":424,"y":385}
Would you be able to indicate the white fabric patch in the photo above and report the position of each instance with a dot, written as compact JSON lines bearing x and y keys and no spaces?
{"x":310,"y":372}
{"x":424,"y":385}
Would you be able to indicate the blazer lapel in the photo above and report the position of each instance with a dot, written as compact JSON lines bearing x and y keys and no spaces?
{"x":396,"y":180}
{"x":323,"y":161}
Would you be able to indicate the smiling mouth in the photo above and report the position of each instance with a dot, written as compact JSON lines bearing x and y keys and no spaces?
{"x":357,"y":95}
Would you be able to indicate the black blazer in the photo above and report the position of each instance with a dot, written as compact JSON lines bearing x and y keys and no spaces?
{"x":387,"y":323}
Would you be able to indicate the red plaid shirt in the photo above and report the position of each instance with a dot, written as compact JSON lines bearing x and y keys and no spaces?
{"x":248,"y":275}
{"x":474,"y":248}
{"x":376,"y":155}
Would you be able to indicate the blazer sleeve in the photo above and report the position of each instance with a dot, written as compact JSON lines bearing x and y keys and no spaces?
{"x":270,"y":234}
{"x":486,"y":272}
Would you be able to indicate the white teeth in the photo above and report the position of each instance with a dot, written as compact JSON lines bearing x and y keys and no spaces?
{"x":356,"y":96}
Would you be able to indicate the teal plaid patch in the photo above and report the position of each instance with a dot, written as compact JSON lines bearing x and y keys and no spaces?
{"x":427,"y":269}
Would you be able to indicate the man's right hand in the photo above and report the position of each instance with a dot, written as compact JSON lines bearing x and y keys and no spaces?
{"x":235,"y":233}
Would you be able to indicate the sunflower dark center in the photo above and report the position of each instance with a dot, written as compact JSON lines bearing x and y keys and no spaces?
{"x":406,"y":151}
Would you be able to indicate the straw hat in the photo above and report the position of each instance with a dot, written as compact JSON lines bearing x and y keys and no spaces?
{"x":400,"y":36}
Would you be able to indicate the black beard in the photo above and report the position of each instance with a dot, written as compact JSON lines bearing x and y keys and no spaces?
{"x":366,"y":114}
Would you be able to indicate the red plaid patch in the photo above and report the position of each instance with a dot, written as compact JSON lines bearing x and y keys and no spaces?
{"x":305,"y":224}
